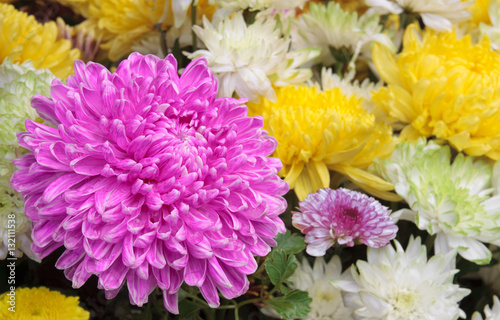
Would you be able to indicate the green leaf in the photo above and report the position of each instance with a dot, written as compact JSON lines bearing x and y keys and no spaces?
{"x":291,"y":243}
{"x":279,"y":267}
{"x":293,"y":305}
{"x":188,"y":309}
{"x":284,"y":289}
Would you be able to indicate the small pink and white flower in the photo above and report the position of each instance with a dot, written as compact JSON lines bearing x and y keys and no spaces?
{"x":344,"y":217}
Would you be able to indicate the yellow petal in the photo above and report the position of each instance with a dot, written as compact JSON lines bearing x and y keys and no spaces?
{"x":363,"y":178}
{"x":315,"y":176}
{"x":293,"y":173}
{"x":385,"y":62}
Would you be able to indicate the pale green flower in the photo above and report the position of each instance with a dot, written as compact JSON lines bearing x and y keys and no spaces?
{"x":333,"y":29}
{"x":454,"y":201}
{"x":489,"y":313}
{"x":398,"y":284}
{"x":18,"y":83}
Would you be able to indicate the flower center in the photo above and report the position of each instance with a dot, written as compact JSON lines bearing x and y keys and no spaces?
{"x":325,"y":296}
{"x":36,"y":312}
{"x":405,"y":301}
{"x":351,"y":213}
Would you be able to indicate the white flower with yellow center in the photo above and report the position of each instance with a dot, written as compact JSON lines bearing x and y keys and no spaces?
{"x":439,"y":15}
{"x":489,"y":313}
{"x":398,"y":284}
{"x":335,"y":30}
{"x":249,"y":60}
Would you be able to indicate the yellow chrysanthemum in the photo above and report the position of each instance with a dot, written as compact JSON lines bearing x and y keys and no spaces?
{"x":444,"y":87}
{"x":125,"y":22}
{"x":22,"y":38}
{"x":40,"y":304}
{"x":318,"y":131}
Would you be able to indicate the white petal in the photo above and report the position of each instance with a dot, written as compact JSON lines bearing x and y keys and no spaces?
{"x":180,"y":7}
{"x":318,"y":249}
{"x":441,"y":244}
{"x":373,"y":303}
{"x":349,"y":286}
{"x":404,"y":214}
{"x":385,"y":4}
{"x":436,"y":22}
{"x":470,"y":249}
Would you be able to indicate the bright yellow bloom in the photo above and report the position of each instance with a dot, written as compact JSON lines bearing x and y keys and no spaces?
{"x":41,"y":304}
{"x":125,"y":22}
{"x":444,"y":87}
{"x":22,"y":38}
{"x":318,"y":131}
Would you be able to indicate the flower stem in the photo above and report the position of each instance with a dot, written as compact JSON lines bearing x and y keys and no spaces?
{"x":193,"y":22}
{"x":197,"y":300}
{"x":242,"y":303}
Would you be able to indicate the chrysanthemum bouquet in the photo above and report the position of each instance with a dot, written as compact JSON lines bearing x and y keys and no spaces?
{"x":250,"y":159}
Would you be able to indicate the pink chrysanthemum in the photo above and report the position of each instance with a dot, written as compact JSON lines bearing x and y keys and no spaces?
{"x":149,"y":179}
{"x":345,"y":217}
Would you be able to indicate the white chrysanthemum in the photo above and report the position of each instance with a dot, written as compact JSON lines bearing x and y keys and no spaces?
{"x":399,"y":284}
{"x":452,"y":200}
{"x":18,"y":83}
{"x":489,"y":313}
{"x":439,"y":15}
{"x":327,"y":300}
{"x":492,"y":31}
{"x":331,"y":28}
{"x":249,"y":60}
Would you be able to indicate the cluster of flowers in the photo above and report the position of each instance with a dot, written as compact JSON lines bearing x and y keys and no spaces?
{"x":164,"y":146}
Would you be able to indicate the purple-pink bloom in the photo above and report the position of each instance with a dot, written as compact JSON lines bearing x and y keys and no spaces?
{"x":345,"y":217}
{"x":148,"y":179}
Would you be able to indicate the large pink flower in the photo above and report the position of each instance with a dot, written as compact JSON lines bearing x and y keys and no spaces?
{"x":345,"y":217}
{"x":149,"y":179}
